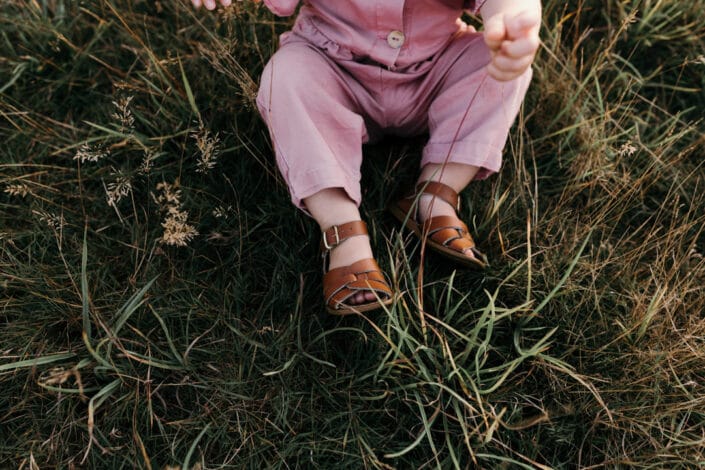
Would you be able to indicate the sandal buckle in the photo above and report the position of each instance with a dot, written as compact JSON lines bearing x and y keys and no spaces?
{"x":337,"y":238}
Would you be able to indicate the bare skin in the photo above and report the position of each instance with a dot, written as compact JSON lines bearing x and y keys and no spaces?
{"x":212,"y":4}
{"x":511,"y":32}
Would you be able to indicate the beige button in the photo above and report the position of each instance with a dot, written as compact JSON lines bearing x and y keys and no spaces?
{"x":395,"y":39}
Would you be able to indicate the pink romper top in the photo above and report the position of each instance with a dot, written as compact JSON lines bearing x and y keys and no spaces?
{"x":365,"y":29}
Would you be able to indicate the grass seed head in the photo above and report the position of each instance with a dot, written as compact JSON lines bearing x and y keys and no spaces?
{"x":147,"y":162}
{"x":88,"y":153}
{"x":19,"y":189}
{"x":119,"y":188}
{"x":123,"y":114}
{"x":208,"y":149}
{"x":627,"y":149}
{"x":177,"y":230}
{"x":51,"y":220}
{"x":221,"y":212}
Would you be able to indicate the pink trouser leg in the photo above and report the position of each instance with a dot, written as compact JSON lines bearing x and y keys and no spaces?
{"x":471,"y":113}
{"x":313,"y":117}
{"x":318,"y":112}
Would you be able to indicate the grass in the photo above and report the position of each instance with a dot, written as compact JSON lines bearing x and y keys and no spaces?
{"x":126,"y":125}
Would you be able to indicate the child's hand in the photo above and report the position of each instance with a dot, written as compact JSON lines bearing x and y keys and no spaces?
{"x":513,"y":39}
{"x":211,"y":4}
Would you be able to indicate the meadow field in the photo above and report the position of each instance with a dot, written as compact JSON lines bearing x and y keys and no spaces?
{"x":161,"y":301}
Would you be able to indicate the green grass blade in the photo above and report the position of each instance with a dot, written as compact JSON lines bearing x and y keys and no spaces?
{"x":179,"y":358}
{"x":189,"y":92}
{"x":40,"y":361}
{"x":85,"y":299}
{"x":286,"y":365}
{"x":565,"y":276}
{"x":192,"y":449}
{"x":131,"y":306}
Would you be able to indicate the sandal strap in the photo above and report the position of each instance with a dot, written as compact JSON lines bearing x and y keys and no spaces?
{"x":365,"y":275}
{"x":337,"y":234}
{"x":447,"y":235}
{"x":449,"y":231}
{"x":441,"y":191}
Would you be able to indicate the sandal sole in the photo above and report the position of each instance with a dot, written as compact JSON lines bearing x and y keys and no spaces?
{"x":362,"y":308}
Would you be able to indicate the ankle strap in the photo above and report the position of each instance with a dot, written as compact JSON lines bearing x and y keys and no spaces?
{"x":441,"y":191}
{"x":337,"y":234}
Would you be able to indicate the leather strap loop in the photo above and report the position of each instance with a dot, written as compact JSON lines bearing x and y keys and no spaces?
{"x":337,"y":234}
{"x":441,"y":191}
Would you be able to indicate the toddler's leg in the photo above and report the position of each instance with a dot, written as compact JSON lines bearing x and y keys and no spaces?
{"x":467,"y":144}
{"x":317,"y":132}
{"x":471,"y":113}
{"x":478,"y":137}
{"x":316,"y":126}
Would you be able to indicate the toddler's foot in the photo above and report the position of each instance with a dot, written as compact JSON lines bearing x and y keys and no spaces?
{"x":353,"y":281}
{"x":434,"y":207}
{"x":435,"y":220}
{"x":354,"y":249}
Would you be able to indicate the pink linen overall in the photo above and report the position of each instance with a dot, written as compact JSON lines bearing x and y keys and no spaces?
{"x":351,"y":70}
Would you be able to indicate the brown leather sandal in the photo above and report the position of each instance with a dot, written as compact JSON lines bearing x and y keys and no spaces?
{"x":447,"y":235}
{"x":340,"y":284}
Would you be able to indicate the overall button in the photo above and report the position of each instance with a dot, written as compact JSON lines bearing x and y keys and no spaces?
{"x":395,"y":39}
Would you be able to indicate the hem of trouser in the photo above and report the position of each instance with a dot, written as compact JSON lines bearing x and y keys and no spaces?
{"x":322,"y":179}
{"x":486,"y":156}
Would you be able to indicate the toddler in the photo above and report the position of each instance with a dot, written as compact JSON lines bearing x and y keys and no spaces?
{"x":351,"y":70}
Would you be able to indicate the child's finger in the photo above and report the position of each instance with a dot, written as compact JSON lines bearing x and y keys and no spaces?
{"x":503,"y":71}
{"x":517,"y":66}
{"x":209,"y":4}
{"x":495,"y":32}
{"x":196,"y":3}
{"x":498,"y":74}
{"x":520,"y":48}
{"x":523,"y":24}
{"x":226,"y":3}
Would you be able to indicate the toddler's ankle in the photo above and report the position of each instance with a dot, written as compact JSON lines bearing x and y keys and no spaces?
{"x":431,"y":206}
{"x":351,"y":250}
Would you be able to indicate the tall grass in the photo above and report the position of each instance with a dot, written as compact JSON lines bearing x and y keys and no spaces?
{"x":161,"y":299}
